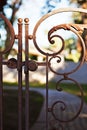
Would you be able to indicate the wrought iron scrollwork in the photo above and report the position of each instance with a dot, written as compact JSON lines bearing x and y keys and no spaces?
{"x":68,"y":27}
{"x":29,"y":65}
{"x":77,"y":29}
{"x":63,"y":104}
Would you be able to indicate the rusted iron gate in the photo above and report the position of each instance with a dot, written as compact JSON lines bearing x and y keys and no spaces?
{"x":30,"y":65}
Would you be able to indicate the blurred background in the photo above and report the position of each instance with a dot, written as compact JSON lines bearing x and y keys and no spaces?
{"x":34,"y":10}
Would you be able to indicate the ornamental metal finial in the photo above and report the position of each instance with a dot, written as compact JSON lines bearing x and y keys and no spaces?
{"x":20,"y":20}
{"x":26,"y":20}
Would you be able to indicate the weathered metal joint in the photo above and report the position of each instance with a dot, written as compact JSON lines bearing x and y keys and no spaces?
{"x":12,"y":63}
{"x":32,"y":65}
{"x":30,"y":37}
{"x":65,"y":76}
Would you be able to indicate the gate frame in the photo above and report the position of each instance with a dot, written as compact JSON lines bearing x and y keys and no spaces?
{"x":30,"y":65}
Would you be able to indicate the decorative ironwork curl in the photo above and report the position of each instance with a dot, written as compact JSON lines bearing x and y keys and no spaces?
{"x":53,"y":41}
{"x":66,"y":26}
{"x":32,"y":66}
{"x":11,"y":40}
{"x":63,"y":108}
{"x":58,"y":59}
{"x":46,"y":17}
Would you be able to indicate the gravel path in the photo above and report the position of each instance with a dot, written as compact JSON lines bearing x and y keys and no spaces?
{"x":73,"y":104}
{"x":72,"y":107}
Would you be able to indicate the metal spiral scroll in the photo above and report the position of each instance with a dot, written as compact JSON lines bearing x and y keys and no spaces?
{"x":63,"y":106}
{"x":54,"y":55}
{"x":12,"y":34}
{"x":44,"y":18}
{"x":66,"y":27}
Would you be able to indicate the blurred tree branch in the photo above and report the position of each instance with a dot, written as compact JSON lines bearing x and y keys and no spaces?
{"x":14,"y":5}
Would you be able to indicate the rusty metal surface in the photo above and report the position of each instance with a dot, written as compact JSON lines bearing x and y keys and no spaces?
{"x":30,"y":65}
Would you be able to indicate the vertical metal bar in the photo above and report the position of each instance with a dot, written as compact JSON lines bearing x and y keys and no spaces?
{"x":47,"y":92}
{"x":26,"y":76}
{"x":19,"y":67}
{"x":1,"y":95}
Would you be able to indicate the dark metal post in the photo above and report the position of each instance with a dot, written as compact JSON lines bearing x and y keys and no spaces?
{"x":47,"y":92}
{"x":26,"y":76}
{"x":19,"y":67}
{"x":1,"y":95}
